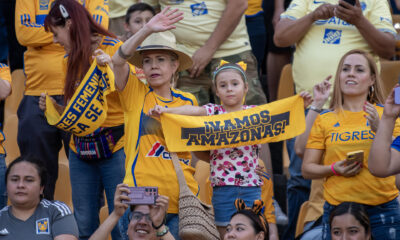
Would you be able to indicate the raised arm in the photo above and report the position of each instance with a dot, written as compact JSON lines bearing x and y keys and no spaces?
{"x":289,"y":32}
{"x":107,"y":226}
{"x":321,"y":95}
{"x":382,"y":43}
{"x":188,"y":110}
{"x":230,"y":18}
{"x":163,"y":21}
{"x":383,"y":160}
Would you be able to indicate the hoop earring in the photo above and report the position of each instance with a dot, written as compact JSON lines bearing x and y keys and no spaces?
{"x":371,"y":93}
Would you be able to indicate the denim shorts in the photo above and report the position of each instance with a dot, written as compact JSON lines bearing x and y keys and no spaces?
{"x":384,"y":219}
{"x":224,"y":197}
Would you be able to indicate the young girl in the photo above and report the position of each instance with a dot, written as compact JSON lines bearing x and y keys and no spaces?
{"x":232,"y":169}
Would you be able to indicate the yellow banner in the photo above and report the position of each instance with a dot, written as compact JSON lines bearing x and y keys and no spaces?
{"x":87,"y":109}
{"x":271,"y":122}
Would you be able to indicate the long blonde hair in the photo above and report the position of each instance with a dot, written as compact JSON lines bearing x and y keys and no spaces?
{"x":375,"y":92}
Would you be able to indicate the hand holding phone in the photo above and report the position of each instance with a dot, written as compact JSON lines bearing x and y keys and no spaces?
{"x":142,"y":195}
{"x":352,"y":2}
{"x":356,"y":156}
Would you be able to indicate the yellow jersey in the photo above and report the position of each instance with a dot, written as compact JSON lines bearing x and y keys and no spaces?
{"x":318,"y":53}
{"x":4,"y":75}
{"x":115,"y":114}
{"x":343,"y":132}
{"x":148,"y":159}
{"x":253,"y":7}
{"x":43,"y":58}
{"x":199,"y":22}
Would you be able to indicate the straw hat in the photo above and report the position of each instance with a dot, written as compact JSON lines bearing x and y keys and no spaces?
{"x":161,"y":41}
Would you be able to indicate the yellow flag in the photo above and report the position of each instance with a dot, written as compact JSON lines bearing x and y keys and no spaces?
{"x":87,"y":109}
{"x":271,"y":122}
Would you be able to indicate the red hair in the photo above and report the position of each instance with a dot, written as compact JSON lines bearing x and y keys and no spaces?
{"x":81,"y":31}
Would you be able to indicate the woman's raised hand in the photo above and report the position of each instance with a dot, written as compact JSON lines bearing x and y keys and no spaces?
{"x":159,"y":210}
{"x":391,"y":109}
{"x":307,"y":98}
{"x":321,"y":92}
{"x":121,"y":193}
{"x":165,"y":19}
{"x":156,"y":111}
{"x":372,"y":115}
{"x":102,"y":58}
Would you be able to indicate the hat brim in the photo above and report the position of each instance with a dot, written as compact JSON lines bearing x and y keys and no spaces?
{"x":185,"y":61}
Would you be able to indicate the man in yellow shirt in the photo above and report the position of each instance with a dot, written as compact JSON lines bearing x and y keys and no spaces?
{"x":209,"y":32}
{"x":44,"y":73}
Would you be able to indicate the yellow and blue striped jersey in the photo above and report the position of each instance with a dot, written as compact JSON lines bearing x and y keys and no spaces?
{"x":43,"y":58}
{"x":4,"y":75}
{"x":148,"y":161}
{"x":343,"y":132}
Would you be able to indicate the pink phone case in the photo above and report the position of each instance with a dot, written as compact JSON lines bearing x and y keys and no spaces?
{"x":397,"y":95}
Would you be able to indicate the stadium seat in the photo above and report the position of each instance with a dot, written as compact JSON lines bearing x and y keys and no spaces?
{"x":103,"y":216}
{"x":63,"y":185}
{"x":285,"y":89}
{"x":202,"y":177}
{"x":390,"y":71}
{"x":286,"y":83}
{"x":10,"y":114}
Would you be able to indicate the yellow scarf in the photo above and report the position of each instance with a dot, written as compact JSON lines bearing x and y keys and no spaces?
{"x":87,"y":109}
{"x":271,"y":122}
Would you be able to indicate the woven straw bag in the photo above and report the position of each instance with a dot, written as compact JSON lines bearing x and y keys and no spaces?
{"x":196,"y":219}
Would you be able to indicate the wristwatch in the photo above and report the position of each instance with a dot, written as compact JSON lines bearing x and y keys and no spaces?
{"x":315,"y":109}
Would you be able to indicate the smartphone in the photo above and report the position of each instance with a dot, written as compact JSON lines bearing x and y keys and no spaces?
{"x":356,"y":156}
{"x":142,"y":196}
{"x":352,"y":2}
{"x":397,"y":93}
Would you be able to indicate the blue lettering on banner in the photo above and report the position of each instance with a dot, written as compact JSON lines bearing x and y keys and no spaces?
{"x":44,"y":4}
{"x":337,"y":125}
{"x":231,"y":131}
{"x":332,"y":36}
{"x":199,"y":9}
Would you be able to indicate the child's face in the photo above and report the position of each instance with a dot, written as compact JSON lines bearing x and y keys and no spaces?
{"x":230,"y":87}
{"x":137,"y":20}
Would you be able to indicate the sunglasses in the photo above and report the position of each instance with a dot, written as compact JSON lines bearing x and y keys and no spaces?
{"x":137,"y":216}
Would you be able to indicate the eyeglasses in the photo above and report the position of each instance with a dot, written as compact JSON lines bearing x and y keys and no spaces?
{"x":138,"y":216}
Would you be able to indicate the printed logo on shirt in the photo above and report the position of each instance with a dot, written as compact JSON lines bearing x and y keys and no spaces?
{"x":44,"y":4}
{"x":383,"y":19}
{"x":175,"y":1}
{"x":4,"y":232}
{"x":318,"y":2}
{"x":42,"y":226}
{"x":332,"y":21}
{"x":199,"y":9}
{"x":332,"y":36}
{"x":363,"y":6}
{"x":352,"y":136}
{"x":158,"y":150}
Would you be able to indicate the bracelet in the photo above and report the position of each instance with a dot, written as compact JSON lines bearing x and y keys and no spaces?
{"x":333,"y":169}
{"x":159,"y":226}
{"x":163,"y":232}
{"x":315,"y":109}
{"x":122,"y":54}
